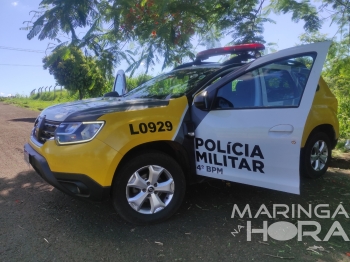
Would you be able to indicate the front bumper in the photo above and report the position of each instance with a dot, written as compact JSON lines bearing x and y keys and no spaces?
{"x":76,"y":185}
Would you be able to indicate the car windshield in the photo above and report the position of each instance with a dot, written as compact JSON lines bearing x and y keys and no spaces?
{"x":170,"y":85}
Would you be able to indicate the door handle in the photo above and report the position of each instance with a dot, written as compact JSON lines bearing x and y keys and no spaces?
{"x":281,"y":130}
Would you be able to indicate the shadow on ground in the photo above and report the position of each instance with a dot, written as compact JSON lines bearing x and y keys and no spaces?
{"x":40,"y":223}
{"x":341,"y":162}
{"x":27,"y":119}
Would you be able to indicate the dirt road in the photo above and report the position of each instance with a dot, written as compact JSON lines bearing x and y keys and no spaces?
{"x":39,"y":223}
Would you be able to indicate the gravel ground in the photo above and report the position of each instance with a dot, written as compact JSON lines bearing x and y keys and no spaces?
{"x":40,"y":223}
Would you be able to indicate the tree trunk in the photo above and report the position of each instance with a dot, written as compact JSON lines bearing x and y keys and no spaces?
{"x":80,"y":94}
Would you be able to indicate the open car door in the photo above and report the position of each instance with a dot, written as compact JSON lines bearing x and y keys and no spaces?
{"x":252,"y":128}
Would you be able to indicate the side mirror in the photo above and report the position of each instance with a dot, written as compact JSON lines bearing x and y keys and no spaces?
{"x":120,"y":83}
{"x":111,"y":94}
{"x":201,"y":101}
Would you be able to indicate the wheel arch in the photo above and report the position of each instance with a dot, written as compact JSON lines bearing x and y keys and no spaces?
{"x":171,"y":148}
{"x":324,"y":128}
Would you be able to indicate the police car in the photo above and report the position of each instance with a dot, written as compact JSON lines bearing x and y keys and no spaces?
{"x":261,"y":121}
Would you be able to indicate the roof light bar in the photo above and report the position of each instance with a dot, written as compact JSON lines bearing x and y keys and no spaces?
{"x":236,"y":49}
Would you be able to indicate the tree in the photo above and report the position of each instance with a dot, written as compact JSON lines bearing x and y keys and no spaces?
{"x":55,"y":16}
{"x":146,"y":31}
{"x":301,"y":10}
{"x":338,"y":12}
{"x":77,"y":72}
{"x":133,"y":82}
{"x":336,"y":73}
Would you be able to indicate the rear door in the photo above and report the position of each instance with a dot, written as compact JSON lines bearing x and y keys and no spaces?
{"x":253,"y":130}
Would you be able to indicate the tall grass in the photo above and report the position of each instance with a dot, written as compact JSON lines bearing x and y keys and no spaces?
{"x":39,"y":102}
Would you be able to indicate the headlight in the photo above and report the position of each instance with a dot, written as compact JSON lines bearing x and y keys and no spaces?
{"x":77,"y":132}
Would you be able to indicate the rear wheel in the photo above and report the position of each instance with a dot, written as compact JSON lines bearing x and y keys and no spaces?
{"x":316,"y":156}
{"x":149,"y":188}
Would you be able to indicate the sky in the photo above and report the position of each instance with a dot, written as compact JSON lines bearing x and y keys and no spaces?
{"x":22,"y":71}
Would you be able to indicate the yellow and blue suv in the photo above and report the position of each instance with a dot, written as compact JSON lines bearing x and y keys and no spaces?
{"x":261,"y":121}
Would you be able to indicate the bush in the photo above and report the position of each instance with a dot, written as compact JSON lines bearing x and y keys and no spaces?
{"x":344,"y":116}
{"x":134,"y":82}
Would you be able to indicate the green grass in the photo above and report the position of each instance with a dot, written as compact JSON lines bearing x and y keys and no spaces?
{"x":38,"y":102}
{"x":340,"y":148}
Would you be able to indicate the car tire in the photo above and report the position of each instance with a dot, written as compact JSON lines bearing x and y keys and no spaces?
{"x":316,"y":156}
{"x":149,"y":188}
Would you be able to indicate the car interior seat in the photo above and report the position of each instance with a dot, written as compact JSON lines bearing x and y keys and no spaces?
{"x":245,"y":94}
{"x":286,"y":89}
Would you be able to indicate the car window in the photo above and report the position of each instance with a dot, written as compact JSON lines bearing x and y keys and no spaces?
{"x":279,"y":84}
{"x":173,"y":84}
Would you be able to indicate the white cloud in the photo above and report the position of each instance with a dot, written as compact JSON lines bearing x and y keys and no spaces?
{"x":14,"y":3}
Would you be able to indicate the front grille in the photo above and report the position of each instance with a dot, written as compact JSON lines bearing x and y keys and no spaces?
{"x":44,"y":129}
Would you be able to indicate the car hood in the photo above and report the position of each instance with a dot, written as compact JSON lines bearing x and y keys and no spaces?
{"x":92,"y":109}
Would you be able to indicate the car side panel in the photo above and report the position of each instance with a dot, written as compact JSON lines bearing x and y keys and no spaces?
{"x":323,"y":111}
{"x":123,"y":131}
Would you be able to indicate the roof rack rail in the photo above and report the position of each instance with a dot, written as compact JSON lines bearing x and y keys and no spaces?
{"x":242,"y":52}
{"x":230,"y":50}
{"x":195,"y":62}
